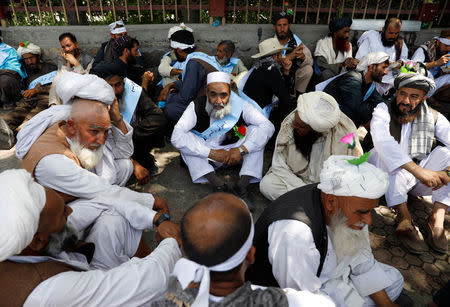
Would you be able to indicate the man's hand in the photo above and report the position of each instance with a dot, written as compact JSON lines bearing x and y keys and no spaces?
{"x":350,"y":63}
{"x":168,"y":229}
{"x":70,"y":59}
{"x":235,"y":156}
{"x":114,"y":111}
{"x":443,"y":60}
{"x":30,"y":93}
{"x":165,"y":91}
{"x":286,"y":64}
{"x":160,"y":205}
{"x":176,"y":72}
{"x":141,"y":173}
{"x":433,"y":179}
{"x":148,"y":77}
{"x":219,"y":155}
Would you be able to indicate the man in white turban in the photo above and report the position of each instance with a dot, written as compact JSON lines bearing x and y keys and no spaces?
{"x":222,"y":129}
{"x":403,"y":133}
{"x":316,"y":238}
{"x":307,"y":137}
{"x":44,"y":264}
{"x":355,"y":90}
{"x":215,"y":264}
{"x":79,"y":156}
{"x":106,"y":51}
{"x":35,"y":97}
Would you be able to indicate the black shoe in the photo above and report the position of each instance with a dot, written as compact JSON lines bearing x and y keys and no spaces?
{"x":243,"y":194}
{"x":404,"y":300}
{"x":221,"y":188}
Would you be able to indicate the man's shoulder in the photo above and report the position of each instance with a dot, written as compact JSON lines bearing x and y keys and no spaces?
{"x":48,"y":66}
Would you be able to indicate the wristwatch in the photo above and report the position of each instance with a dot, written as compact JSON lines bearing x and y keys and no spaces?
{"x":162,"y":218}
{"x":447,"y":171}
{"x":242,"y":151}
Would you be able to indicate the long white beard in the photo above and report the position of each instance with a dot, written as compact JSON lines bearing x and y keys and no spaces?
{"x":88,"y":158}
{"x":59,"y":242}
{"x":346,"y":241}
{"x":218,"y":114}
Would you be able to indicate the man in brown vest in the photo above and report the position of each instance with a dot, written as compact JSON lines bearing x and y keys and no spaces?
{"x":64,"y":157}
{"x":403,"y":133}
{"x":34,"y":223}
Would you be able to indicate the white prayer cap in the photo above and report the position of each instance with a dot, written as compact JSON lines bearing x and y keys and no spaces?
{"x":445,"y":41}
{"x":120,"y":29}
{"x":177,"y":28}
{"x":28,"y":48}
{"x":188,"y":271}
{"x":21,"y":202}
{"x":218,"y":76}
{"x":371,"y":58}
{"x":319,"y":110}
{"x":70,"y":85}
{"x":341,"y":178}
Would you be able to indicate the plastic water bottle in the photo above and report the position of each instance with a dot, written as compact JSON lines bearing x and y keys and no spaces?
{"x":216,"y":23}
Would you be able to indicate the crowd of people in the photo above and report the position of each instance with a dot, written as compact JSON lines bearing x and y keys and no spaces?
{"x":347,"y":125}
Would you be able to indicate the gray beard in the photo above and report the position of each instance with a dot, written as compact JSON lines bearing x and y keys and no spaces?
{"x":217,"y":114}
{"x":88,"y":158}
{"x":223,"y":61}
{"x":63,"y":240}
{"x":347,"y":242}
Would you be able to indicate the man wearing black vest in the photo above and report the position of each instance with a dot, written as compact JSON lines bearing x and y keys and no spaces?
{"x":223,"y":129}
{"x":316,"y":238}
{"x":403,"y":133}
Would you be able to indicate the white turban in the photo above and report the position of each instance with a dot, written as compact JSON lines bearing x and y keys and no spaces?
{"x":114,"y":30}
{"x":371,"y":58}
{"x":177,"y":28}
{"x":415,"y":80}
{"x":341,"y":178}
{"x":319,"y":110}
{"x":218,"y":76}
{"x":30,"y":48}
{"x":70,"y":85}
{"x":21,"y":203}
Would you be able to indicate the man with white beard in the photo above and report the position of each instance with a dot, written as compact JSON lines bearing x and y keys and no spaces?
{"x":43,"y":263}
{"x":222,"y":129}
{"x":316,"y":238}
{"x":65,"y":158}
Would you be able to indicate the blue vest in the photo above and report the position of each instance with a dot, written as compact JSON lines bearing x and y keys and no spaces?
{"x":211,"y":60}
{"x":230,"y":66}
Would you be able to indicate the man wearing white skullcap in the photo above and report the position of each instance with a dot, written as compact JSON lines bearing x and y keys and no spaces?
{"x":43,"y":263}
{"x":307,"y":137}
{"x":82,"y":151}
{"x":35,"y":97}
{"x":355,"y":90}
{"x":212,"y":273}
{"x":434,"y":53}
{"x":316,"y":238}
{"x":172,"y":62}
{"x":403,"y":133}
{"x":106,"y":51}
{"x":222,"y":129}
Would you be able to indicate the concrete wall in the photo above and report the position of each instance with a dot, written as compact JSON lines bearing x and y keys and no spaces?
{"x":153,"y":38}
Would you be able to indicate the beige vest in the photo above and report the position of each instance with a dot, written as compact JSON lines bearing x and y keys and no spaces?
{"x":52,"y":141}
{"x":18,"y":280}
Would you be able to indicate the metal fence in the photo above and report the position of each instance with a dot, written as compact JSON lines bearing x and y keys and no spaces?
{"x":62,"y":12}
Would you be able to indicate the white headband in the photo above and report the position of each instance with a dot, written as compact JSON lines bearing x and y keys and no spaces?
{"x":445,"y":41}
{"x":188,"y":271}
{"x":218,"y":76}
{"x":115,"y":24}
{"x":175,"y":45}
{"x":119,"y":30}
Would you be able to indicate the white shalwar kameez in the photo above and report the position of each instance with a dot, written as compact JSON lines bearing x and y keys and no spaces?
{"x":295,"y":260}
{"x":370,"y":41}
{"x":136,"y":282}
{"x":195,"y":150}
{"x":389,"y":155}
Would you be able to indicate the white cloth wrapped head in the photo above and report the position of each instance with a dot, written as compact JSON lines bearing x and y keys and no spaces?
{"x":319,"y":110}
{"x":371,"y":58}
{"x":21,"y":203}
{"x":415,"y":80}
{"x":70,"y":85}
{"x":30,"y":48}
{"x":117,"y":30}
{"x":218,"y":76}
{"x":188,"y":271}
{"x":177,"y":28}
{"x":341,"y":178}
{"x":444,"y":40}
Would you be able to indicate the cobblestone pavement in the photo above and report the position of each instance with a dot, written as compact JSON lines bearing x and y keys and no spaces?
{"x":423,"y":274}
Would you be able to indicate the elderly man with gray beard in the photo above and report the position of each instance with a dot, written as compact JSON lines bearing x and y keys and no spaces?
{"x":66,"y":157}
{"x":222,"y":129}
{"x":316,"y":238}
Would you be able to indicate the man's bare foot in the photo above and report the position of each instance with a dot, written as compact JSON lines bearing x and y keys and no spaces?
{"x":141,"y":173}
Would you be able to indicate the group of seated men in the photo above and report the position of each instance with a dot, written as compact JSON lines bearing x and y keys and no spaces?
{"x":72,"y":231}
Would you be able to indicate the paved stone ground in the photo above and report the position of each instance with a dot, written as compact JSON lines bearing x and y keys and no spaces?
{"x":423,"y":275}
